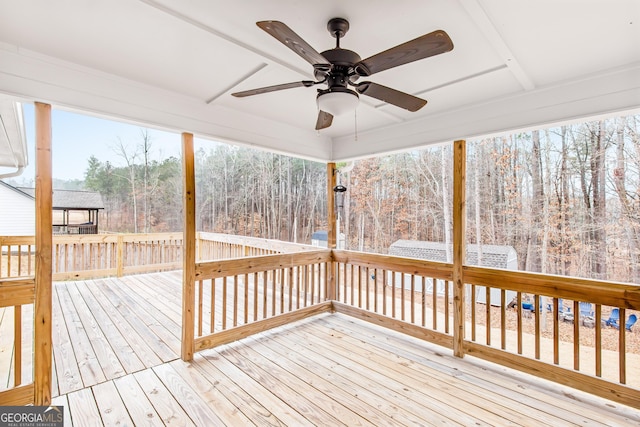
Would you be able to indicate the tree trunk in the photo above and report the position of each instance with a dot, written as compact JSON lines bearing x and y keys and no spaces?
{"x":534,"y":255}
{"x":446,"y":202}
{"x":598,"y":181}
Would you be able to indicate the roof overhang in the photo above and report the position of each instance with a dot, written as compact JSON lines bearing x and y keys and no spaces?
{"x":13,"y":143}
{"x":173,"y":65}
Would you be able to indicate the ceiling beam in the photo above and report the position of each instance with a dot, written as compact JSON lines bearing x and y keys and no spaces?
{"x":480,"y":17}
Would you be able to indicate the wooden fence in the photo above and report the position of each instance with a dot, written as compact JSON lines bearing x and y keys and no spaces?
{"x":102,"y":255}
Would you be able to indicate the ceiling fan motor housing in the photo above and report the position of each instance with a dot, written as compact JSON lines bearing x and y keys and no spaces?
{"x":342,"y":61}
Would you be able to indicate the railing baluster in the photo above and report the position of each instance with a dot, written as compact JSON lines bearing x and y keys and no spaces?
{"x":402,"y":306}
{"x":200,"y":297}
{"x":384,"y":292}
{"x":359,"y":286}
{"x":375,"y":290}
{"x":622,"y":347}
{"x":434,"y":297}
{"x":246,"y":298}
{"x":29,"y":260}
{"x":503,"y":319}
{"x":423,"y":300}
{"x":224,"y":303}
{"x":265,"y":276}
{"x":556,"y":331}
{"x":17,"y":336}
{"x":446,"y":306}
{"x":576,"y":335}
{"x":290,"y":287}
{"x":598,"y":343}
{"x":473,"y":312}
{"x":519,"y":309}
{"x":393,"y":293}
{"x":537,"y":318}
{"x":254,"y":287}
{"x":9,"y":261}
{"x":366,"y":285}
{"x":235,"y":300}
{"x":413,"y":298}
{"x":487,"y":292}
{"x":213,"y":305}
{"x":303,"y":283}
{"x":281,"y":279}
{"x":313,"y":282}
{"x":19,"y":260}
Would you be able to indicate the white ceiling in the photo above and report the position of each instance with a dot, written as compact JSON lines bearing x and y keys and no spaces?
{"x":173,"y":64}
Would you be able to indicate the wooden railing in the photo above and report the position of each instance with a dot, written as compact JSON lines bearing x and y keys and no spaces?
{"x":16,"y":305}
{"x":75,"y":229}
{"x":101,"y":255}
{"x":502,"y":324}
{"x":225,"y":246}
{"x":239,"y":297}
{"x":17,"y":254}
{"x":526,"y":321}
{"x":405,"y":294}
{"x":94,"y":255}
{"x":557,"y":329}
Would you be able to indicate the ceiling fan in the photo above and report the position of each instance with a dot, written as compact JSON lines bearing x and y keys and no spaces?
{"x":340,"y":68}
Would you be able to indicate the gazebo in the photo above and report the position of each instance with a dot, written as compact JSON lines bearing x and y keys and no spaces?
{"x":74,"y":211}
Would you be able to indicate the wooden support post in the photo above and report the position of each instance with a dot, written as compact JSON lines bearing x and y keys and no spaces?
{"x":120,"y":256}
{"x":331,"y":229}
{"x":331,"y":207}
{"x":44,"y":246}
{"x":459,"y":236}
{"x":189,"y":247}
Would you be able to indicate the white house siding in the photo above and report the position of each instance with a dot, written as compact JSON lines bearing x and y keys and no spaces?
{"x":17,"y":213}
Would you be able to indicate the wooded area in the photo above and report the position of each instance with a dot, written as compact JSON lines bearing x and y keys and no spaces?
{"x":567,"y":198}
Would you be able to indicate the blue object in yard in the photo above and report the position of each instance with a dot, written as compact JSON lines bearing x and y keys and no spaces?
{"x":632,"y":321}
{"x":585,"y":309}
{"x":613,"y":318}
{"x":527,"y":306}
{"x":560,"y":306}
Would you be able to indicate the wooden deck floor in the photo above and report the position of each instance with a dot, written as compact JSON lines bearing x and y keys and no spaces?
{"x":116,"y":346}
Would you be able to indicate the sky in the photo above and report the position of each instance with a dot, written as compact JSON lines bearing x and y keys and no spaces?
{"x":76,"y":137}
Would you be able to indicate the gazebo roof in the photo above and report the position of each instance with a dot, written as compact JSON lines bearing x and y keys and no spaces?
{"x":71,"y":199}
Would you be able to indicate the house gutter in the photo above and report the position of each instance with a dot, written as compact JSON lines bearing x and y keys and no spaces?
{"x":12,"y":174}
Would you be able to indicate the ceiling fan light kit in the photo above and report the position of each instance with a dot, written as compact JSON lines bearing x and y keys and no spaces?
{"x":340,"y":68}
{"x":337,"y":101}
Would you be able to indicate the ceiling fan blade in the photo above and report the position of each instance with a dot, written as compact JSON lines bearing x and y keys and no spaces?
{"x":324,"y":120}
{"x":425,"y":46}
{"x":306,"y":83}
{"x":392,"y":96}
{"x":290,"y":39}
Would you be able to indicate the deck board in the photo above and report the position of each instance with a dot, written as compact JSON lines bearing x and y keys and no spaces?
{"x":139,"y":407}
{"x":330,"y":369}
{"x":141,"y":348}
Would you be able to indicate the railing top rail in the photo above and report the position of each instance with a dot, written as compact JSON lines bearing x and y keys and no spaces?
{"x":438,"y":270}
{"x":256,"y":264}
{"x":84,"y":238}
{"x":274,"y":245}
{"x":17,"y":240}
{"x":613,"y":294}
{"x":149,"y":237}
